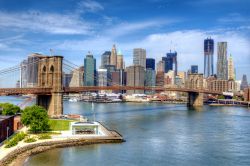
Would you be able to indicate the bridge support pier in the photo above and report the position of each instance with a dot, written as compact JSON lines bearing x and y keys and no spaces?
{"x":52,"y":103}
{"x":195,"y":99}
{"x":50,"y":75}
{"x":43,"y":101}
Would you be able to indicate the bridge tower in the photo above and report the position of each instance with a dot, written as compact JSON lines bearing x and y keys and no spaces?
{"x":50,"y":76}
{"x":195,"y":81}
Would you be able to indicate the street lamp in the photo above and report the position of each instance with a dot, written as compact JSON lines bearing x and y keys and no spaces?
{"x":93,"y":110}
{"x":1,"y":109}
{"x":7,"y":132}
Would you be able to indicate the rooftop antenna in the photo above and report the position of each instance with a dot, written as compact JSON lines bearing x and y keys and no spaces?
{"x":51,"y":52}
{"x":171,"y":46}
{"x":175,"y":45}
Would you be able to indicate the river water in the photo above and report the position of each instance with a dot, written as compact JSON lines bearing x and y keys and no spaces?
{"x":159,"y":134}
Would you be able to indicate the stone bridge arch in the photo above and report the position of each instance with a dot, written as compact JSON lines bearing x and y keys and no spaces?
{"x":50,"y":76}
{"x":195,"y":82}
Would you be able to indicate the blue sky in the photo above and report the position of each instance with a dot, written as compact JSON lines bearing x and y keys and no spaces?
{"x":72,"y":28}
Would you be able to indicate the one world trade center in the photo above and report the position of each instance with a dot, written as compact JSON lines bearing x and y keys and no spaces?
{"x":208,"y":57}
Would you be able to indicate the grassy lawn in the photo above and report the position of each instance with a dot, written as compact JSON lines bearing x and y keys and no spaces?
{"x":59,"y":125}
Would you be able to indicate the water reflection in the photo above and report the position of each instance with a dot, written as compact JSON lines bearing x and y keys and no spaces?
{"x":160,"y":134}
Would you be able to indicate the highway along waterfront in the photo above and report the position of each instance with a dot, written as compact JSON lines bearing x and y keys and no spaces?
{"x":159,"y":134}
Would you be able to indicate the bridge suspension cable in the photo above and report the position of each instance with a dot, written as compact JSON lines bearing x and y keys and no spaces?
{"x":16,"y":68}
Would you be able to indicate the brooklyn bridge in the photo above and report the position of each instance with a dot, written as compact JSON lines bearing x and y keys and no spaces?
{"x":50,"y":90}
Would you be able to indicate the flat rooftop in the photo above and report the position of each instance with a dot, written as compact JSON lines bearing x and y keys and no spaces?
{"x":3,"y":117}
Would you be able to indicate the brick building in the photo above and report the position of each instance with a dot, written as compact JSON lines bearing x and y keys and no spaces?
{"x":6,"y":127}
{"x":221,"y":85}
{"x":160,"y":79}
{"x":247,"y":94}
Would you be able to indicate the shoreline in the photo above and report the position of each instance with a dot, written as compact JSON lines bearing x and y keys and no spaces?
{"x":230,"y":105}
{"x":19,"y":155}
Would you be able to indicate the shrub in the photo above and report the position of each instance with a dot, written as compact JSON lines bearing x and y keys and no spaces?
{"x":44,"y":136}
{"x":30,"y":139}
{"x":11,"y":143}
{"x":15,"y":139}
{"x":9,"y":109}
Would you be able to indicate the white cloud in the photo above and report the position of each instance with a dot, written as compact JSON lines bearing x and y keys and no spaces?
{"x":109,"y":36}
{"x":6,"y":44}
{"x":18,"y":39}
{"x":212,"y":2}
{"x":188,"y":44}
{"x":44,"y":22}
{"x":89,"y":6}
{"x":3,"y":46}
{"x":128,"y":28}
{"x":234,"y":18}
{"x":95,"y":44}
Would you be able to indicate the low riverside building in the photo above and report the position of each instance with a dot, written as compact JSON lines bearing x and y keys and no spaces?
{"x":6,"y":127}
{"x":136,"y":98}
{"x":85,"y":128}
{"x":247,"y":94}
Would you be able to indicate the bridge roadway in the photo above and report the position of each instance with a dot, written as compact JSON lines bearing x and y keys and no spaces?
{"x":48,"y":91}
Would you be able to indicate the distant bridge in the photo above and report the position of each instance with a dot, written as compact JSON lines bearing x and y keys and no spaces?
{"x":44,"y":91}
{"x":50,"y":90}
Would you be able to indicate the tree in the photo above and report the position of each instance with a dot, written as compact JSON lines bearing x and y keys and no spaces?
{"x":221,"y":97}
{"x":36,"y":118}
{"x":9,"y":109}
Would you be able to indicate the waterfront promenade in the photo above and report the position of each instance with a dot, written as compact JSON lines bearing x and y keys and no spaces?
{"x":15,"y":156}
{"x":231,"y":102}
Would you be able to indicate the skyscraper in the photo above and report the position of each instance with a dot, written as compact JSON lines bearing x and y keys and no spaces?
{"x":102,"y":77}
{"x":135,"y":77}
{"x":105,"y":59}
{"x":208,"y":57}
{"x":169,"y":78}
{"x":113,"y":56}
{"x":89,"y":70}
{"x":194,"y":69}
{"x":159,"y":78}
{"x":183,"y":76}
{"x":110,"y":69}
{"x":119,"y":64}
{"x":150,"y":79}
{"x":231,"y":73}
{"x":118,"y":77}
{"x":32,"y":69}
{"x":150,"y":63}
{"x":139,"y":57}
{"x":244,"y":82}
{"x":76,"y":78}
{"x":222,"y":61}
{"x":67,"y":79}
{"x":23,"y":74}
{"x":170,"y":62}
{"x":160,"y":66}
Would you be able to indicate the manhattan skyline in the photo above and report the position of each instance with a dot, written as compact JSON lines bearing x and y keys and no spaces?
{"x":72,"y":28}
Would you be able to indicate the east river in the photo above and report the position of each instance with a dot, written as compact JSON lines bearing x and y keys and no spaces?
{"x":159,"y":134}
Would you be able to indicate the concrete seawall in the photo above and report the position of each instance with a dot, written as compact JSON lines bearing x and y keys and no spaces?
{"x":18,"y":156}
